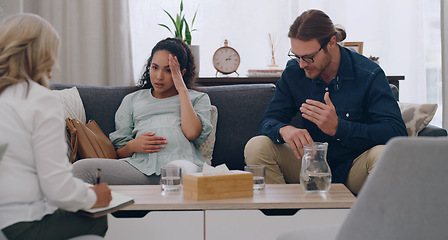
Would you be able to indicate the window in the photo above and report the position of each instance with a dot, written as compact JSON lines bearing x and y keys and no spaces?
{"x":433,"y":50}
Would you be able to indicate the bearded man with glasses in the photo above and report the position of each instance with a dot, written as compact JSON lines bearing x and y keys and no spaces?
{"x":344,"y":99}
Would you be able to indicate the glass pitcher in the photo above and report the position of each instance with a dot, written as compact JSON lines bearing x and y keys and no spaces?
{"x":315,"y":175}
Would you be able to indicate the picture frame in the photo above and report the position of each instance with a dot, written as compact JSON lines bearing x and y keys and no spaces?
{"x":354,"y":46}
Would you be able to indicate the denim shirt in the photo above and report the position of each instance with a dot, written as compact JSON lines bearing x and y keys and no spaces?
{"x":368,"y":114}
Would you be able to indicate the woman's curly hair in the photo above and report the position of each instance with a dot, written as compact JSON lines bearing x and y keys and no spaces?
{"x":178,"y":48}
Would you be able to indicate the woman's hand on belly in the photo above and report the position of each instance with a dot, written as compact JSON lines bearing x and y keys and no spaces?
{"x":145,"y":143}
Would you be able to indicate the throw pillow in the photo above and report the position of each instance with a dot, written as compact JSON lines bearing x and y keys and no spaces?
{"x":73,"y":108}
{"x":416,"y":116}
{"x":207,"y":146}
{"x":3,"y":149}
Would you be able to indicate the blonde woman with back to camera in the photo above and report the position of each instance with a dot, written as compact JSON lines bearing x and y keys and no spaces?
{"x":38,"y":193}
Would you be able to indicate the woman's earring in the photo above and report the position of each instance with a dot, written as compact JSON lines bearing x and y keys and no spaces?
{"x":49,"y":73}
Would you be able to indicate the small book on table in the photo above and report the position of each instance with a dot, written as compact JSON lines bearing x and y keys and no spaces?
{"x":118,"y":202}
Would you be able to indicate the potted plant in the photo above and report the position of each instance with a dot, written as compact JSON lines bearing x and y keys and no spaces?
{"x":179,"y":23}
{"x":183,"y":31}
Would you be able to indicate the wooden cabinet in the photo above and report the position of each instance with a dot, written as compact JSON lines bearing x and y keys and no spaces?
{"x":161,"y":225}
{"x":268,"y":213}
{"x":253,"y":224}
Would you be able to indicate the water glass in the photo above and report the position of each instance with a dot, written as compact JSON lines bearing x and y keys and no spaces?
{"x":259,"y":173}
{"x":171,"y":178}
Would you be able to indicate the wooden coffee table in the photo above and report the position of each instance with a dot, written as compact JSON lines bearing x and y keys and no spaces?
{"x":268,"y":213}
{"x":275,"y":196}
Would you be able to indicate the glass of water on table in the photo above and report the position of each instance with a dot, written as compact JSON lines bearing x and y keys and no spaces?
{"x":171,"y":178}
{"x":258,"y":172}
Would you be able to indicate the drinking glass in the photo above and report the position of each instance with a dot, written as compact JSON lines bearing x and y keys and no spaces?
{"x":258,"y":172}
{"x":171,"y":178}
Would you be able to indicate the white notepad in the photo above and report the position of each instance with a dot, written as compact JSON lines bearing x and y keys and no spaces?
{"x":118,"y":201}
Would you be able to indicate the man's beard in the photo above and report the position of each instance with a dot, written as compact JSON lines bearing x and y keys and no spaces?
{"x":318,"y":69}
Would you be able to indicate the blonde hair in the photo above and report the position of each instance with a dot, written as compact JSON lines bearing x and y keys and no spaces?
{"x":29,"y":47}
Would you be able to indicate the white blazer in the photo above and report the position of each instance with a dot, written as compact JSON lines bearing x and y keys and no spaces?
{"x":35,"y":174}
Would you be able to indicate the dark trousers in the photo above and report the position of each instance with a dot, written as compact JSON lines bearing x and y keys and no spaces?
{"x":59,"y":225}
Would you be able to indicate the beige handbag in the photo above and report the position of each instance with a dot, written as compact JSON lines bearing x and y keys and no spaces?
{"x":88,"y":141}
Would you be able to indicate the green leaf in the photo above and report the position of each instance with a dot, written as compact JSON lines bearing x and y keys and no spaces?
{"x":182,"y":26}
{"x":187,"y":33}
{"x":194,"y":17}
{"x":172,"y":19}
{"x":165,"y":26}
{"x":179,"y":26}
{"x":181,"y":6}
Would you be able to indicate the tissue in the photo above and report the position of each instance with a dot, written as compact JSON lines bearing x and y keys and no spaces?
{"x":220,"y":169}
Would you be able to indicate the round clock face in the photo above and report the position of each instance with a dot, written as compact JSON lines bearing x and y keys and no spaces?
{"x":226,"y":60}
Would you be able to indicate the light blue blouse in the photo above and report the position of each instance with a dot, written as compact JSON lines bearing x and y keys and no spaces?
{"x":140,"y":113}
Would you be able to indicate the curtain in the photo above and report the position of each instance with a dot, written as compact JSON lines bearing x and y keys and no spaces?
{"x":95,"y":34}
{"x":444,"y":29}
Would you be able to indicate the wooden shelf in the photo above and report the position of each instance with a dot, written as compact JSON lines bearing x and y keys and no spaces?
{"x":394,"y":80}
{"x":214,"y":81}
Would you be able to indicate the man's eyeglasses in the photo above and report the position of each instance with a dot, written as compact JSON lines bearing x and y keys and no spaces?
{"x":307,"y":59}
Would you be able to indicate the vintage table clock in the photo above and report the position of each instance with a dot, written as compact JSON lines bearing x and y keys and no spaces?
{"x":226,"y":59}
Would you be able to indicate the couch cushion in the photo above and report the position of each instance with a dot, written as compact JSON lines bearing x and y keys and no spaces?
{"x":416,"y":116}
{"x":207,"y":146}
{"x":73,"y":108}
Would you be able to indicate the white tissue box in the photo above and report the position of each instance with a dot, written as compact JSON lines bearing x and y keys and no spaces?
{"x":203,"y":186}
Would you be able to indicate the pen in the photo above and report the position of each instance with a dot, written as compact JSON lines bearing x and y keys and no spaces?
{"x":98,"y":177}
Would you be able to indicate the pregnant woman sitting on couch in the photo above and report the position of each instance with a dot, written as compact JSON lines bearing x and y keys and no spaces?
{"x":163,"y":123}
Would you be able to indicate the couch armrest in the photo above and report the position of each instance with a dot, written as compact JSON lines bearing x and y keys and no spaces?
{"x":432,"y":131}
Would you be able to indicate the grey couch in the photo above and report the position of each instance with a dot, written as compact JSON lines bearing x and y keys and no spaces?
{"x":240,"y":108}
